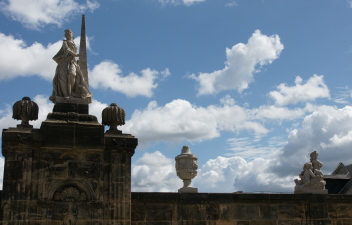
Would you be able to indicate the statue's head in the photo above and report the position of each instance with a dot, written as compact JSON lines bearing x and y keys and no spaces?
{"x":314,"y":155}
{"x":68,"y":34}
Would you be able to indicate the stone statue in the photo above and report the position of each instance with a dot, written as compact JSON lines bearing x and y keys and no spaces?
{"x":69,"y":81}
{"x":311,"y":178}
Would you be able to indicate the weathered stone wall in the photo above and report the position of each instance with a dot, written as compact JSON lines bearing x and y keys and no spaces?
{"x":240,"y":209}
{"x":66,"y":172}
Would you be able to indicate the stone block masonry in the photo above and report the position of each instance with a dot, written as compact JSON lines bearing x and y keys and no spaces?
{"x":240,"y":209}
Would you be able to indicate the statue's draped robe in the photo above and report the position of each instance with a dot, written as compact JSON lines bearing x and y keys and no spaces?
{"x":66,"y":65}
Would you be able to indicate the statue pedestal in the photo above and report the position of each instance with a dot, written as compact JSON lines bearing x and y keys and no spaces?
{"x":310,"y":191}
{"x":188,"y":190}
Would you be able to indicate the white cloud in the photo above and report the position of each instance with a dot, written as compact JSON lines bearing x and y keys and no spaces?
{"x":231,"y":4}
{"x":109,"y":75}
{"x":18,"y":59}
{"x":327,"y":130}
{"x":96,"y":108}
{"x":314,"y":88}
{"x":343,"y":96}
{"x":278,"y":113}
{"x":250,"y":148}
{"x":180,"y":120}
{"x":35,"y":14}
{"x":242,"y":62}
{"x":155,"y":172}
{"x":180,"y":2}
{"x":236,"y":174}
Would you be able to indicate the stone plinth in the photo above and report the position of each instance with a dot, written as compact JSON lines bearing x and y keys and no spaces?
{"x":67,"y":172}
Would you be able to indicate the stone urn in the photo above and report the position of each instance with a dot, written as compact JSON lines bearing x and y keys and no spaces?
{"x":186,"y":168}
{"x":25,"y":110}
{"x":113,"y":116}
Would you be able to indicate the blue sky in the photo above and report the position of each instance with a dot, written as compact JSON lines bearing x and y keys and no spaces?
{"x":252,"y":87}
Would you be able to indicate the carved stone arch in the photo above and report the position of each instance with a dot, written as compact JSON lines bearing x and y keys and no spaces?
{"x":71,"y":190}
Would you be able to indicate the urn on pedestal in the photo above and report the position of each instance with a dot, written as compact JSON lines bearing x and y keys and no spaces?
{"x":25,"y":110}
{"x":113,"y":116}
{"x":186,"y":168}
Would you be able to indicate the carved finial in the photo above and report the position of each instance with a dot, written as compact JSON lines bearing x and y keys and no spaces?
{"x":186,"y":168}
{"x":113,"y":116}
{"x":25,"y":110}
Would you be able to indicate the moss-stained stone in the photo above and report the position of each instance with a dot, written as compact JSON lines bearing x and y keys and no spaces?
{"x":246,"y":212}
{"x":315,"y":211}
{"x":263,"y":222}
{"x":138,"y":213}
{"x":242,"y":222}
{"x":291,"y":211}
{"x":192,"y":223}
{"x":340,"y":211}
{"x":316,"y":222}
{"x":289,"y":222}
{"x":190,"y":212}
{"x":342,"y":222}
{"x":212,"y":212}
{"x":222,"y":222}
{"x":160,"y":212}
{"x":268,"y":212}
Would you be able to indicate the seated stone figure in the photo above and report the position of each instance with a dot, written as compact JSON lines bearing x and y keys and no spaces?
{"x":311,"y":178}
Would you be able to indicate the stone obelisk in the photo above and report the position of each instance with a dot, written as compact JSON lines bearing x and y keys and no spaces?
{"x":83,"y":51}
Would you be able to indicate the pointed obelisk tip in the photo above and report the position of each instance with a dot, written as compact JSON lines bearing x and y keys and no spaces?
{"x":83,"y":51}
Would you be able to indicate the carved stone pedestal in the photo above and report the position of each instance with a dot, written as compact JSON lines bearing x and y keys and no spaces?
{"x":67,"y":172}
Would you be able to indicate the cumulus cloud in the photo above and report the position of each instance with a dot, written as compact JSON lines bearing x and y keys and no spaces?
{"x":230,"y":174}
{"x":18,"y":59}
{"x":108,"y":75}
{"x":36,"y":14}
{"x":180,"y":2}
{"x":183,"y":121}
{"x":327,"y":130}
{"x":155,"y":172}
{"x":314,"y":88}
{"x":243,"y":60}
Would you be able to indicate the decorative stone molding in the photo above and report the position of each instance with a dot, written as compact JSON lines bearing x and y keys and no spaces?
{"x":186,"y":168}
{"x":70,"y":194}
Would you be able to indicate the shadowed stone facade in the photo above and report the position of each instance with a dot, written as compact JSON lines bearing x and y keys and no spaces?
{"x":240,"y":209}
{"x":66,"y":172}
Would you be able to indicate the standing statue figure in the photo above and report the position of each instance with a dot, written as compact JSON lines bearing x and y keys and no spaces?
{"x":69,"y":82}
